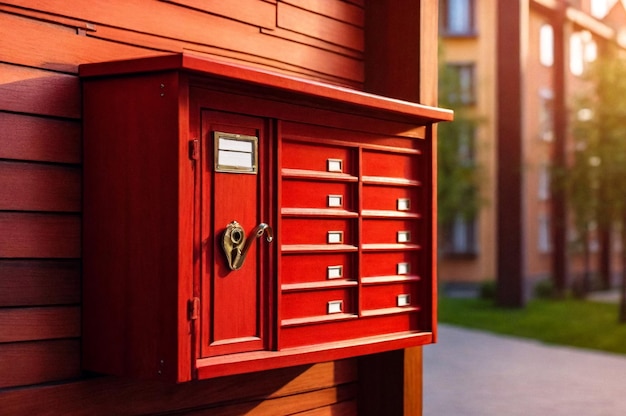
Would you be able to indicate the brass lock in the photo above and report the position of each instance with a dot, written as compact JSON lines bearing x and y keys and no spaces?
{"x":236,"y":245}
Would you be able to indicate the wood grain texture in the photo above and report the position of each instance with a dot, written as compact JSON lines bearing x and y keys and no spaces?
{"x":344,"y":408}
{"x":26,"y":363}
{"x":319,"y":26}
{"x":30,"y":324}
{"x":337,"y":10}
{"x":392,"y":62}
{"x":39,"y":282}
{"x":39,"y":235}
{"x":39,"y":187}
{"x":57,"y":36}
{"x":30,"y":42}
{"x":28,"y":90}
{"x":108,"y":395}
{"x":254,"y":12}
{"x":39,"y":139}
{"x":65,"y":50}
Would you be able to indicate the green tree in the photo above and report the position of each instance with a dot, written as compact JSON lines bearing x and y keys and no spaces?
{"x":458,"y":191}
{"x":595,"y":180}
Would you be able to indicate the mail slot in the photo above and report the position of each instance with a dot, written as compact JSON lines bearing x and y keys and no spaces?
{"x":238,"y":220}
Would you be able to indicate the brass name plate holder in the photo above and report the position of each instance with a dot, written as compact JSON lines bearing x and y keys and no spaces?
{"x":236,"y":153}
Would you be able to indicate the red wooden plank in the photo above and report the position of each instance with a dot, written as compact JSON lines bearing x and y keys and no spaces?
{"x":28,"y":90}
{"x":345,"y":408}
{"x":39,"y":187}
{"x":26,"y":363}
{"x":94,"y":397}
{"x":39,"y":235}
{"x":318,"y":26}
{"x":287,"y":405}
{"x":318,"y":43}
{"x":394,"y":58}
{"x":32,"y":324}
{"x":368,"y":106}
{"x":39,"y":139}
{"x":254,"y":12}
{"x":338,"y":10}
{"x":360,"y":3}
{"x":282,"y":63}
{"x":39,"y":282}
{"x":30,"y":42}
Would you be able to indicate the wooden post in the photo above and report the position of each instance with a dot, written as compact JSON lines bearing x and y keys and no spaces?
{"x":512,"y":23}
{"x":400,"y":62}
{"x":559,"y":217}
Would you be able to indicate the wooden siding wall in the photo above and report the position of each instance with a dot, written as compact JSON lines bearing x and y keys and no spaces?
{"x":42,"y":42}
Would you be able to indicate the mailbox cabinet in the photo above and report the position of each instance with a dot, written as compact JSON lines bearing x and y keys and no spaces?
{"x":192,"y":166}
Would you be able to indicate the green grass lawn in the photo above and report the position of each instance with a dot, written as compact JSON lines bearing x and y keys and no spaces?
{"x":570,"y":322}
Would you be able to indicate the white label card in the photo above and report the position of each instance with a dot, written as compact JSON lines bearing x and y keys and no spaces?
{"x":335,"y":237}
{"x":235,"y":153}
{"x":335,"y":306}
{"x":404,"y":204}
{"x":335,"y":165}
{"x":335,"y":272}
{"x":235,"y":159}
{"x":404,"y":236}
{"x":235,"y":145}
{"x":335,"y":201}
{"x":404,"y":300}
{"x":403,"y":268}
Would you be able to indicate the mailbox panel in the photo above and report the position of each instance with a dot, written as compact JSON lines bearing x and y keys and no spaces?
{"x":367,"y":329}
{"x":311,"y":306}
{"x":391,"y":231}
{"x":390,"y":164}
{"x":404,"y":200}
{"x":391,"y":298}
{"x":315,"y":157}
{"x":317,"y":195}
{"x":317,"y":268}
{"x":272,"y":221}
{"x":232,"y":168}
{"x":312,"y":231}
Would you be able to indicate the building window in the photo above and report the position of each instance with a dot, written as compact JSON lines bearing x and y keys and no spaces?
{"x":582,"y":51}
{"x":458,"y":17}
{"x":544,"y":183}
{"x":599,"y":8}
{"x":460,"y":235}
{"x":546,"y":114}
{"x":546,"y":45}
{"x":463,"y":92}
{"x":545,"y":242}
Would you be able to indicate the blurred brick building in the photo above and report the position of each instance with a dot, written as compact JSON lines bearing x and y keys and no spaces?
{"x":519,"y":68}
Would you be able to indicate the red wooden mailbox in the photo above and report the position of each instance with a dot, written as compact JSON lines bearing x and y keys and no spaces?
{"x":237,"y":220}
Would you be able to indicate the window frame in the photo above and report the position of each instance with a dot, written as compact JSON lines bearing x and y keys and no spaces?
{"x":469,"y":22}
{"x":464,"y":94}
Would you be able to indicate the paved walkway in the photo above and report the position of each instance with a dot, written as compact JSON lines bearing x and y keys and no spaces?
{"x":473,"y":373}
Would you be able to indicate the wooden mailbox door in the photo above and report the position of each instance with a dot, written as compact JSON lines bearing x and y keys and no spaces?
{"x":233,"y":282}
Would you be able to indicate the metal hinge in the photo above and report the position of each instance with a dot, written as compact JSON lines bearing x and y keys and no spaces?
{"x":194,"y":149}
{"x":193,"y":309}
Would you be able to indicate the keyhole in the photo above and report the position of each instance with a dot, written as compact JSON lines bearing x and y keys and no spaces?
{"x":236,"y":236}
